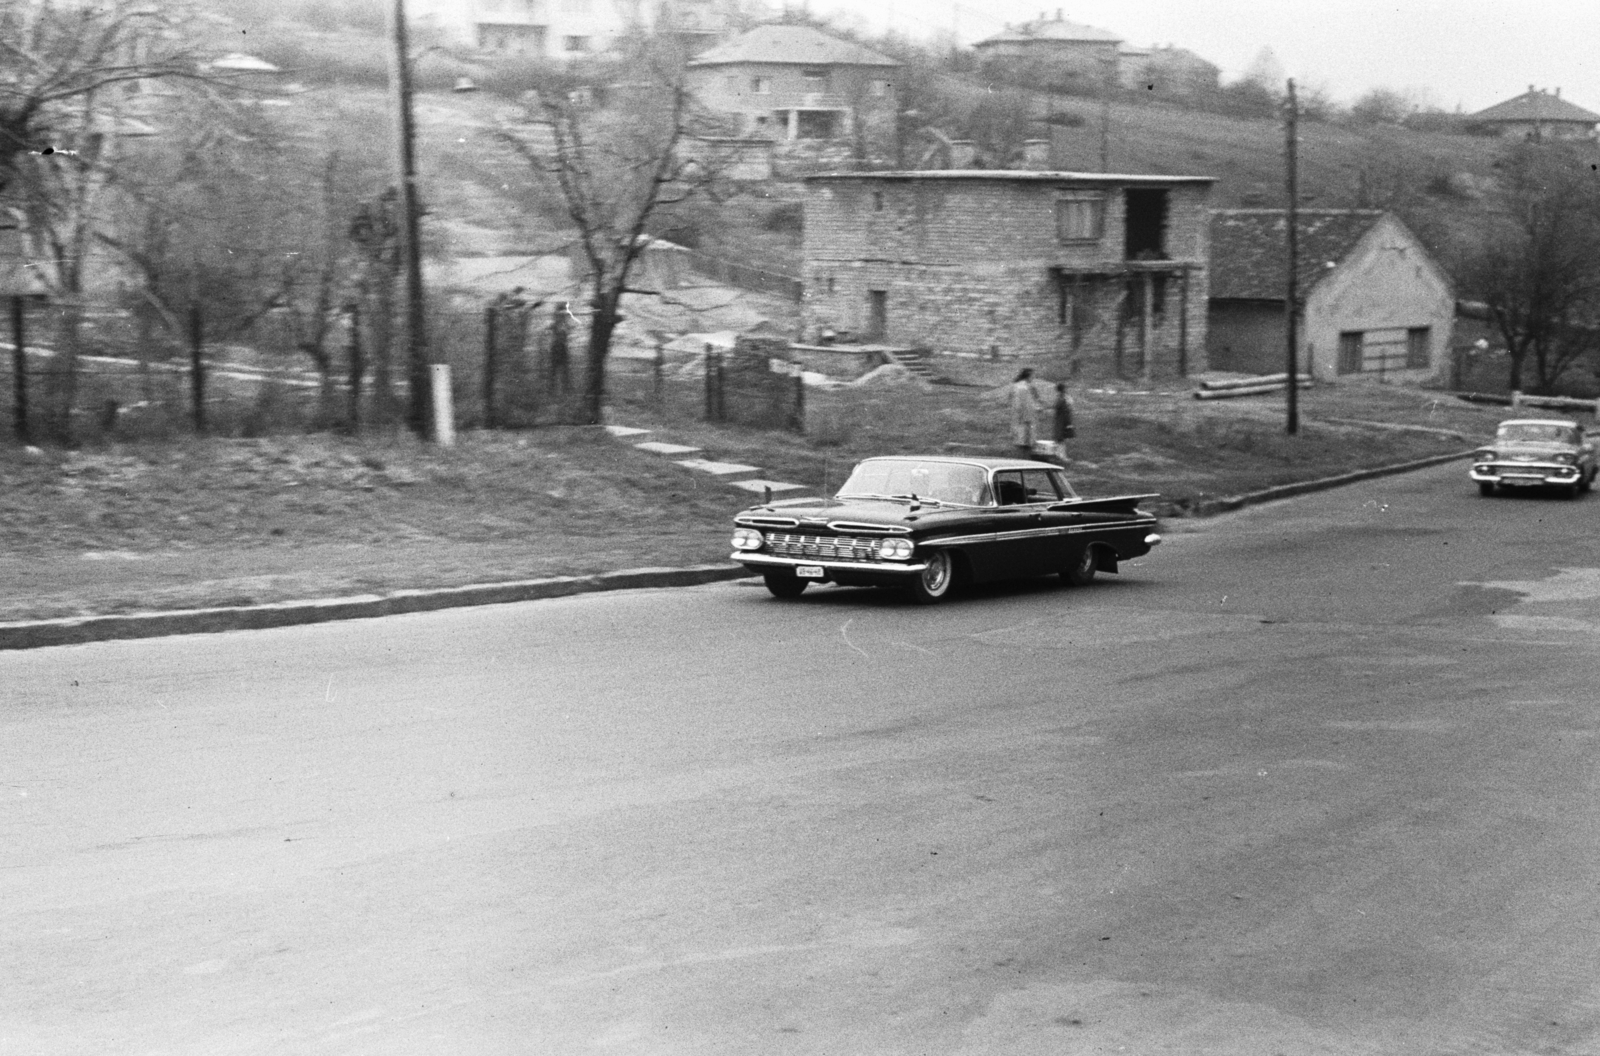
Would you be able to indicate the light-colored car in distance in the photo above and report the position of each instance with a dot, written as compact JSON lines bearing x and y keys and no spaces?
{"x":1536,"y":452}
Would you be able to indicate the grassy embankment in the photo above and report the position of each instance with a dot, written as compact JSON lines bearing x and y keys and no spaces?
{"x":161,"y":526}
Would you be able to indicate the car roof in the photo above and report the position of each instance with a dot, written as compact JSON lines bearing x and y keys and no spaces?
{"x":963,"y":460}
{"x":1540,"y":421}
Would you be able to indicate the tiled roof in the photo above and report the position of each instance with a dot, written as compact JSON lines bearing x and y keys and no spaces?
{"x":1536,"y":106}
{"x":1250,"y":252}
{"x":1055,"y":29}
{"x":791,"y":45}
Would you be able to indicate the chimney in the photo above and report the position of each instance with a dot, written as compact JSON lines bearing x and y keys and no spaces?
{"x":1036,"y":154}
{"x":1530,"y":89}
{"x":963,"y":152}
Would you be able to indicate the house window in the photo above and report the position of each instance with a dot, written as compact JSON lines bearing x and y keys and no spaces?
{"x":877,"y":201}
{"x":575,"y":44}
{"x":816,"y":80}
{"x":1350,"y":342}
{"x":1145,"y":224}
{"x":732,"y":85}
{"x":1080,"y":218}
{"x":761,"y":85}
{"x":1417,"y":344}
{"x":880,"y":88}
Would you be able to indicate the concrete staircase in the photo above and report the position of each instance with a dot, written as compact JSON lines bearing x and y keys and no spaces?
{"x":914,"y":361}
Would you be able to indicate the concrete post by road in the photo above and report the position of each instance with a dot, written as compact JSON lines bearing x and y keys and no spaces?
{"x":444,"y":425}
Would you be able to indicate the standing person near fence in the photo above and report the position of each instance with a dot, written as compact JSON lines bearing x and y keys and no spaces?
{"x":1063,"y":429}
{"x":1024,"y":412}
{"x":560,"y":372}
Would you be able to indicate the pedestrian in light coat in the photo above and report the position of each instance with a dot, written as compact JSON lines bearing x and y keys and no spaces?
{"x":1024,"y":412}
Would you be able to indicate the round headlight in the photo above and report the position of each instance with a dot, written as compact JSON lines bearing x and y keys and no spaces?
{"x":895,"y":549}
{"x":747,"y":539}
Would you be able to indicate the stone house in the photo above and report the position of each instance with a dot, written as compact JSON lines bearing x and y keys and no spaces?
{"x":1374,"y":303}
{"x":569,"y":29}
{"x":1088,"y":270}
{"x":1536,"y":115}
{"x":1058,"y":51}
{"x":1168,"y":70}
{"x":794,"y":83}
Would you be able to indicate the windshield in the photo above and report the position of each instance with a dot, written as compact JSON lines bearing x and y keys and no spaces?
{"x":939,"y":481}
{"x":1538,"y":432}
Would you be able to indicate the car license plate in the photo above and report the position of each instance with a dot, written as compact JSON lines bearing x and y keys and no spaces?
{"x":809,"y":571}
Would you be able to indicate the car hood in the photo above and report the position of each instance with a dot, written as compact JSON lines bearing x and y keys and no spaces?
{"x":884,"y":512}
{"x":1534,"y":448}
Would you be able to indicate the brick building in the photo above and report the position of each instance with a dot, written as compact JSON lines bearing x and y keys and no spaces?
{"x":1373,"y":301}
{"x":794,"y":83}
{"x":1094,"y":270}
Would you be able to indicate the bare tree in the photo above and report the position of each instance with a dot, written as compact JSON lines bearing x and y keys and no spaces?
{"x":59,"y":59}
{"x":613,"y":153}
{"x":1535,"y":266}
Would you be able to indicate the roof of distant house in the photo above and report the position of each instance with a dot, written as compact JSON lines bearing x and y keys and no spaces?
{"x":1536,"y":105}
{"x":791,"y":46}
{"x":1250,"y":252}
{"x":1051,"y":29}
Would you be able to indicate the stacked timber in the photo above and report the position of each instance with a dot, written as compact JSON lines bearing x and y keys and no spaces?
{"x":1259,"y":385}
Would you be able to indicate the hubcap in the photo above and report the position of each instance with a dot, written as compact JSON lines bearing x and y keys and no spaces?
{"x":936,"y":574}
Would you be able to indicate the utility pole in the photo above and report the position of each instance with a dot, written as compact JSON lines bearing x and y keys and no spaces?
{"x":1291,"y":313}
{"x":418,"y":412}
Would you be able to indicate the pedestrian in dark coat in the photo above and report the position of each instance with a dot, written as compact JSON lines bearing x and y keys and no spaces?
{"x":1064,"y":429}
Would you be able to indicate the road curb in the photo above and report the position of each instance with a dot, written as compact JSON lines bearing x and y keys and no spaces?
{"x":1286,"y":491}
{"x":76,"y":630}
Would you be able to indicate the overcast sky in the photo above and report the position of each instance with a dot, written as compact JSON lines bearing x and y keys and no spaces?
{"x":1468,"y":52}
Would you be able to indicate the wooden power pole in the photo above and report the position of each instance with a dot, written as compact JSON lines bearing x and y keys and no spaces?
{"x":1291,"y":308}
{"x":419,"y":407}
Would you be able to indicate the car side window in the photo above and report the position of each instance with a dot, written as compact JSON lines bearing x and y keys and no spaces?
{"x":1009,"y":489}
{"x":1040,"y":485}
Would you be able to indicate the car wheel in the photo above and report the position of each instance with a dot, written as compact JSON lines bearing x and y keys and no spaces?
{"x":784,"y":584}
{"x":1082,"y":570}
{"x":1485,"y":487}
{"x":934,"y":582}
{"x":1587,"y":481}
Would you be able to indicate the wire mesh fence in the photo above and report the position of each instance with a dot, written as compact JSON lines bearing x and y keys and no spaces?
{"x":513,"y":366}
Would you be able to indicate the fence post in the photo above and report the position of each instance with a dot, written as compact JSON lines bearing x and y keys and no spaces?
{"x":489,"y":315}
{"x":19,"y":366}
{"x":660,"y":362}
{"x":1516,"y":400}
{"x":197,"y":367}
{"x":711,"y":385}
{"x":357,"y":363}
{"x":444,"y":421}
{"x":798,"y":423}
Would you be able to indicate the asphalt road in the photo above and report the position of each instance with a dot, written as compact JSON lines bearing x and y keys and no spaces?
{"x":1319,"y":777}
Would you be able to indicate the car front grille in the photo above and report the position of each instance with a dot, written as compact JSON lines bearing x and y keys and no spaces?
{"x":841,"y":547}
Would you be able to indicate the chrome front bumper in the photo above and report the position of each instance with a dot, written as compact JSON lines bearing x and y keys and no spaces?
{"x":1524,"y":473}
{"x":754,"y":560}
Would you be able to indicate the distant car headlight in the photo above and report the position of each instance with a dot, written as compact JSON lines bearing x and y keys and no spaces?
{"x":895,"y":549}
{"x":747,"y":539}
{"x":1483,"y":456}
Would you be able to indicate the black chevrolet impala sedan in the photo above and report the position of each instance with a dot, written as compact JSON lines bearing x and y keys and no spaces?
{"x":924,"y":524}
